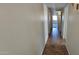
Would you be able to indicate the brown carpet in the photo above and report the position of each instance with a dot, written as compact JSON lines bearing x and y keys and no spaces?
{"x":55,"y":49}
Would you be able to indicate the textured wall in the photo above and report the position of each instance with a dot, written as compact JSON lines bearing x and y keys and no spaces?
{"x":21,"y":28}
{"x":72,"y":31}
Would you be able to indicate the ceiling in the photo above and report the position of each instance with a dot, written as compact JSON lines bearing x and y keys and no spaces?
{"x":56,"y":6}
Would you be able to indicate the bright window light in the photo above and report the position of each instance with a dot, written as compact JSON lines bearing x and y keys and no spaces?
{"x":54,"y":17}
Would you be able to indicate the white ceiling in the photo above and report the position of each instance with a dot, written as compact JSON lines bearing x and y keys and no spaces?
{"x":56,"y":5}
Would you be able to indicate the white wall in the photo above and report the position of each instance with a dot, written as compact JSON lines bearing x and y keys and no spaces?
{"x":65,"y":27}
{"x":72,"y":31}
{"x":65,"y":18}
{"x":21,"y":29}
{"x":46,"y":22}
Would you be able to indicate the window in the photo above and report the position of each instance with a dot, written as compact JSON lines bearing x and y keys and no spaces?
{"x":55,"y":17}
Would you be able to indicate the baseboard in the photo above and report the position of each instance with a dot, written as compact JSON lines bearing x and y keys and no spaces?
{"x":67,"y":49}
{"x":43,"y":50}
{"x":45,"y":45}
{"x":66,"y":46}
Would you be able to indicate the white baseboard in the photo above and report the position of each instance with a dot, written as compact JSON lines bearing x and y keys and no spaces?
{"x":66,"y":46}
{"x":42,"y":49}
{"x":44,"y":45}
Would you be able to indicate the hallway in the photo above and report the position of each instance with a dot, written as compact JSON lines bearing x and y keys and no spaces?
{"x":55,"y":44}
